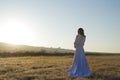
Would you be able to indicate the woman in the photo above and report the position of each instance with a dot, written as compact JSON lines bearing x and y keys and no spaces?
{"x":80,"y":68}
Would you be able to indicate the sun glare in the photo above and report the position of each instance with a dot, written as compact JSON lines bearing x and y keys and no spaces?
{"x":16,"y":31}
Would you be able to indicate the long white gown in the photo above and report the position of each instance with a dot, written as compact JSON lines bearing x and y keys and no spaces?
{"x":80,"y":66}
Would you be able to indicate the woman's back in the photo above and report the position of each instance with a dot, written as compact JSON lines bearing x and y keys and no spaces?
{"x":79,"y":41}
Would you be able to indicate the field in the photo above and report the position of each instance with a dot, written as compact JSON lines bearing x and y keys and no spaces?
{"x":103,"y":67}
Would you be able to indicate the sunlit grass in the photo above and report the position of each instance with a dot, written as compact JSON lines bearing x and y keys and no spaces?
{"x":55,"y":67}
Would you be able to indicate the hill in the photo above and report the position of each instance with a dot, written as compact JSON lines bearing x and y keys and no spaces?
{"x":10,"y":50}
{"x":6,"y":47}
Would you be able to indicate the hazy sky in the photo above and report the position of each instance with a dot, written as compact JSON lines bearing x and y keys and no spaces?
{"x":54,"y":23}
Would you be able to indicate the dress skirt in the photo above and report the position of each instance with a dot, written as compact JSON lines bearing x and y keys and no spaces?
{"x":80,"y":66}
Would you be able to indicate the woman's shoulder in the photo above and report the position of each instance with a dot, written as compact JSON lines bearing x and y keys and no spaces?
{"x":77,"y":35}
{"x":81,"y":36}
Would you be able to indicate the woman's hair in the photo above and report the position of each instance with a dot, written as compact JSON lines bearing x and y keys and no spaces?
{"x":81,"y":31}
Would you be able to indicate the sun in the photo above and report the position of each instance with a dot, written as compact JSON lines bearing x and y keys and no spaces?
{"x":16,"y":31}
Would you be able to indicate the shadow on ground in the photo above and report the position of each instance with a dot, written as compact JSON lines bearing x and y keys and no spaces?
{"x":96,"y":76}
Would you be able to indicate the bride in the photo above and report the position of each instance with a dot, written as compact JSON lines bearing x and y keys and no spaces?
{"x":79,"y":68}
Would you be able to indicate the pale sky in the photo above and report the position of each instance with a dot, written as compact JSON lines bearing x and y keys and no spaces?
{"x":54,"y":23}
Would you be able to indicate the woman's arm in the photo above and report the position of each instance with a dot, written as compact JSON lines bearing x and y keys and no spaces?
{"x":76,"y":43}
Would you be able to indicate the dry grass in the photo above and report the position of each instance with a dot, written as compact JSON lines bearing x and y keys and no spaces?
{"x":55,"y":67}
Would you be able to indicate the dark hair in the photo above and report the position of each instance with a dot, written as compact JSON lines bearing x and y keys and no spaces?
{"x":81,"y":31}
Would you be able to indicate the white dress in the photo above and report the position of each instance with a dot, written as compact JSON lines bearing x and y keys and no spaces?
{"x":80,"y":66}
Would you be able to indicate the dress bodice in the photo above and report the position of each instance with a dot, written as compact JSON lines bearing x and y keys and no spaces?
{"x":79,"y":41}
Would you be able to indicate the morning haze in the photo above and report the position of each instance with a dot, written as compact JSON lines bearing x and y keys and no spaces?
{"x":54,"y":23}
{"x":38,"y":40}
